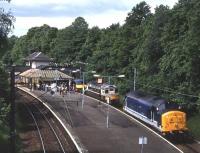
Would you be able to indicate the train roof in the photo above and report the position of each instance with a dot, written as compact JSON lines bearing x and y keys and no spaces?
{"x":146,"y":99}
{"x":108,"y":86}
{"x":78,"y":80}
{"x":103,"y":86}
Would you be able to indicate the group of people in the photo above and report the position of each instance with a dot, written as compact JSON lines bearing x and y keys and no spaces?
{"x":62,"y":88}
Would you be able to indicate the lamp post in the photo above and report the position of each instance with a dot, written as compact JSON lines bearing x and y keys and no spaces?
{"x":109,"y":77}
{"x":56,"y":74}
{"x":83,"y":90}
{"x":109,"y":80}
{"x":12,"y":110}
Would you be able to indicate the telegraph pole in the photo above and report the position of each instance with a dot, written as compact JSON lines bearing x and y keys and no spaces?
{"x":83,"y":90}
{"x":135,"y":71}
{"x":12,"y":110}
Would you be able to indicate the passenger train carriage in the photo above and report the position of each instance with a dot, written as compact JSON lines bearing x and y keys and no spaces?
{"x":156,"y":112}
{"x":105,"y":92}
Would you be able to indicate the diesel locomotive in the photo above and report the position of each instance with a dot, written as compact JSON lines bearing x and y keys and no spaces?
{"x":157,"y":112}
{"x":104,"y":92}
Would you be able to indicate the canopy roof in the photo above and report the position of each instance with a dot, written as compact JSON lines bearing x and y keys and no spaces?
{"x":45,"y":74}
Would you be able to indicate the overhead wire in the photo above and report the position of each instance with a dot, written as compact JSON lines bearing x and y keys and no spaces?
{"x":167,"y":90}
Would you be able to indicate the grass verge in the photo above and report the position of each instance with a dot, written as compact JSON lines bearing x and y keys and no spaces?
{"x":194,"y":126}
{"x":4,"y":138}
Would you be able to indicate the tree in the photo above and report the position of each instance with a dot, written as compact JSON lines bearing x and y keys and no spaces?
{"x":70,"y":41}
{"x":37,"y":39}
{"x":10,"y":44}
{"x":103,"y":53}
{"x":90,"y":45}
{"x":138,"y":14}
{"x":6,"y":25}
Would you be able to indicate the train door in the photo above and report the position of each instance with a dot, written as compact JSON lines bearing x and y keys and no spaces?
{"x":102,"y":93}
{"x":159,"y":112}
{"x":152,"y":113}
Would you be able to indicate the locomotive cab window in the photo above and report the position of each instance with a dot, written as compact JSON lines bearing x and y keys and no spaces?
{"x":161,"y":107}
{"x":112,"y":91}
{"x":106,"y":91}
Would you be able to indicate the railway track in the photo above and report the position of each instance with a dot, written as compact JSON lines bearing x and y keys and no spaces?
{"x":51,"y":136}
{"x":186,"y":143}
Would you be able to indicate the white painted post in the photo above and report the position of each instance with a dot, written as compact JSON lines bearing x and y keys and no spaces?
{"x":107,"y":118}
{"x":142,"y":141}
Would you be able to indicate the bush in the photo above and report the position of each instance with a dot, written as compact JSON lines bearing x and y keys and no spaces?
{"x":194,"y":126}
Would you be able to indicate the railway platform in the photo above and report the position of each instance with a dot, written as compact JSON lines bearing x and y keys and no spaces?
{"x":87,"y":123}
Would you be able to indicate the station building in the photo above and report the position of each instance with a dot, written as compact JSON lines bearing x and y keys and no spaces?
{"x":42,"y":72}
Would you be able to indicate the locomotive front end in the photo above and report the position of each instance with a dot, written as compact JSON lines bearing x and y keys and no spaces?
{"x":173,"y":122}
{"x":114,"y":99}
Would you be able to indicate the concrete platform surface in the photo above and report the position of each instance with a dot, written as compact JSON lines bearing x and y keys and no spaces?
{"x":88,"y":126}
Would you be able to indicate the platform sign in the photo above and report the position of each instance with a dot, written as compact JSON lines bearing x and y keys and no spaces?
{"x":142,"y":140}
{"x":99,"y":80}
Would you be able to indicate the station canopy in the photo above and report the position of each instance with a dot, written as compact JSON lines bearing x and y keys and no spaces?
{"x":45,"y":74}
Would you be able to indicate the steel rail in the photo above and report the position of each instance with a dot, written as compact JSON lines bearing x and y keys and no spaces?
{"x":74,"y":139}
{"x":38,"y":129}
{"x":60,"y":144}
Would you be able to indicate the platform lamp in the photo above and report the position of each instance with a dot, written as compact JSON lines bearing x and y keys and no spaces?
{"x":109,"y":76}
{"x":109,"y":80}
{"x":83,"y":91}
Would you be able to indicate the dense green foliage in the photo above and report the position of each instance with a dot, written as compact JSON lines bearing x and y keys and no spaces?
{"x":194,"y":125}
{"x":6,"y":22}
{"x":4,"y":110}
{"x":163,"y":46}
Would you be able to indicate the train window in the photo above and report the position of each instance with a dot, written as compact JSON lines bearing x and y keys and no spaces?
{"x":111,"y":89}
{"x":161,"y":108}
{"x":106,"y":91}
